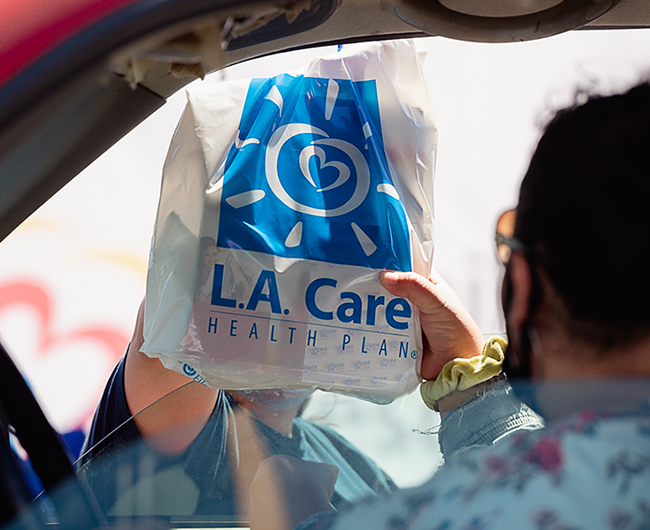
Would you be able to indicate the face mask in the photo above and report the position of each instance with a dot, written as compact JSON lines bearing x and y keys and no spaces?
{"x":277,"y":398}
{"x":522,"y":384}
{"x":517,"y":363}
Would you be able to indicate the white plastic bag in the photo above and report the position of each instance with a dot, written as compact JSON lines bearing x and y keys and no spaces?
{"x":282,"y":200}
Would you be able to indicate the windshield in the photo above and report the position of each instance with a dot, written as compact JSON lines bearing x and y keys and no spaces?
{"x":209,"y":483}
{"x":72,"y":278}
{"x":211,"y":478}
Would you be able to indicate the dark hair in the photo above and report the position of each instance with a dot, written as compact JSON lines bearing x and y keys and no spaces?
{"x":583,"y":208}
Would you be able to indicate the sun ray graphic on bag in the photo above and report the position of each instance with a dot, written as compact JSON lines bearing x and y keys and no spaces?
{"x":327,"y":176}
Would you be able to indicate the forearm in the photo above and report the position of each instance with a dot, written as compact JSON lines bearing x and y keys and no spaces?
{"x":184,"y":405}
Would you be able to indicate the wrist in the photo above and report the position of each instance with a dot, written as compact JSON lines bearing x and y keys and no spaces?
{"x":459,"y":378}
{"x":457,"y":399}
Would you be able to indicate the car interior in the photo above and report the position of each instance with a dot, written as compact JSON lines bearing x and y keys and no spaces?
{"x":67,"y":99}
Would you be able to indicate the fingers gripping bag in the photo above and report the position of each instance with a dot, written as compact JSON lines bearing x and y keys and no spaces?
{"x":282,"y":201}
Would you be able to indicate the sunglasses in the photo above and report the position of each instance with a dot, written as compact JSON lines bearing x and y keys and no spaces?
{"x":504,"y":237}
{"x":516,"y":364}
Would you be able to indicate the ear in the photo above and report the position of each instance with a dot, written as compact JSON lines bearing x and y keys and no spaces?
{"x":521,"y":289}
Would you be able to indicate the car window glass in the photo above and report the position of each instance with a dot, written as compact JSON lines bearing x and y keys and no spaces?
{"x":481,"y":105}
{"x":231,"y":444}
{"x":208,"y":482}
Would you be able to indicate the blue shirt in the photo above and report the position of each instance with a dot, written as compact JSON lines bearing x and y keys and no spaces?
{"x":120,"y":466}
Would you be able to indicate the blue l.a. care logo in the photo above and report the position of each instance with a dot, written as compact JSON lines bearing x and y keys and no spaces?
{"x":308,"y":178}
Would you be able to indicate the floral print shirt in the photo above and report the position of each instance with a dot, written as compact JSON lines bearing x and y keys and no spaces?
{"x":586,"y":471}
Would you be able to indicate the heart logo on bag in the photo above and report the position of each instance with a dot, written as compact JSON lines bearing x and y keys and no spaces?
{"x":343,"y":171}
{"x":307,"y":176}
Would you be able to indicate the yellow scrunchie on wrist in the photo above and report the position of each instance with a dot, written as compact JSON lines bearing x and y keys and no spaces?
{"x":461,"y":374}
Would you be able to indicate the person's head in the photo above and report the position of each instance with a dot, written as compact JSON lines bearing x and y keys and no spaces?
{"x":275,"y":407}
{"x":584,"y":206}
{"x":208,"y":253}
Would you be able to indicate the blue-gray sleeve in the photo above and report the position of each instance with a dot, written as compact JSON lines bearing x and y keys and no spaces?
{"x":495,"y":412}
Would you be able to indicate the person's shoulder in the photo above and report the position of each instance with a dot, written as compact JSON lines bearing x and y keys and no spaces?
{"x":575,"y":471}
{"x":310,"y":428}
{"x":112,"y":412}
{"x":112,"y":409}
{"x":313,"y":426}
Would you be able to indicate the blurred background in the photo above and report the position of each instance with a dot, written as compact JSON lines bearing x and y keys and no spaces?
{"x":73,"y":275}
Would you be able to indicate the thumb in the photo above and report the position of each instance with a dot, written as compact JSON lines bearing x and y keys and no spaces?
{"x":420,"y":291}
